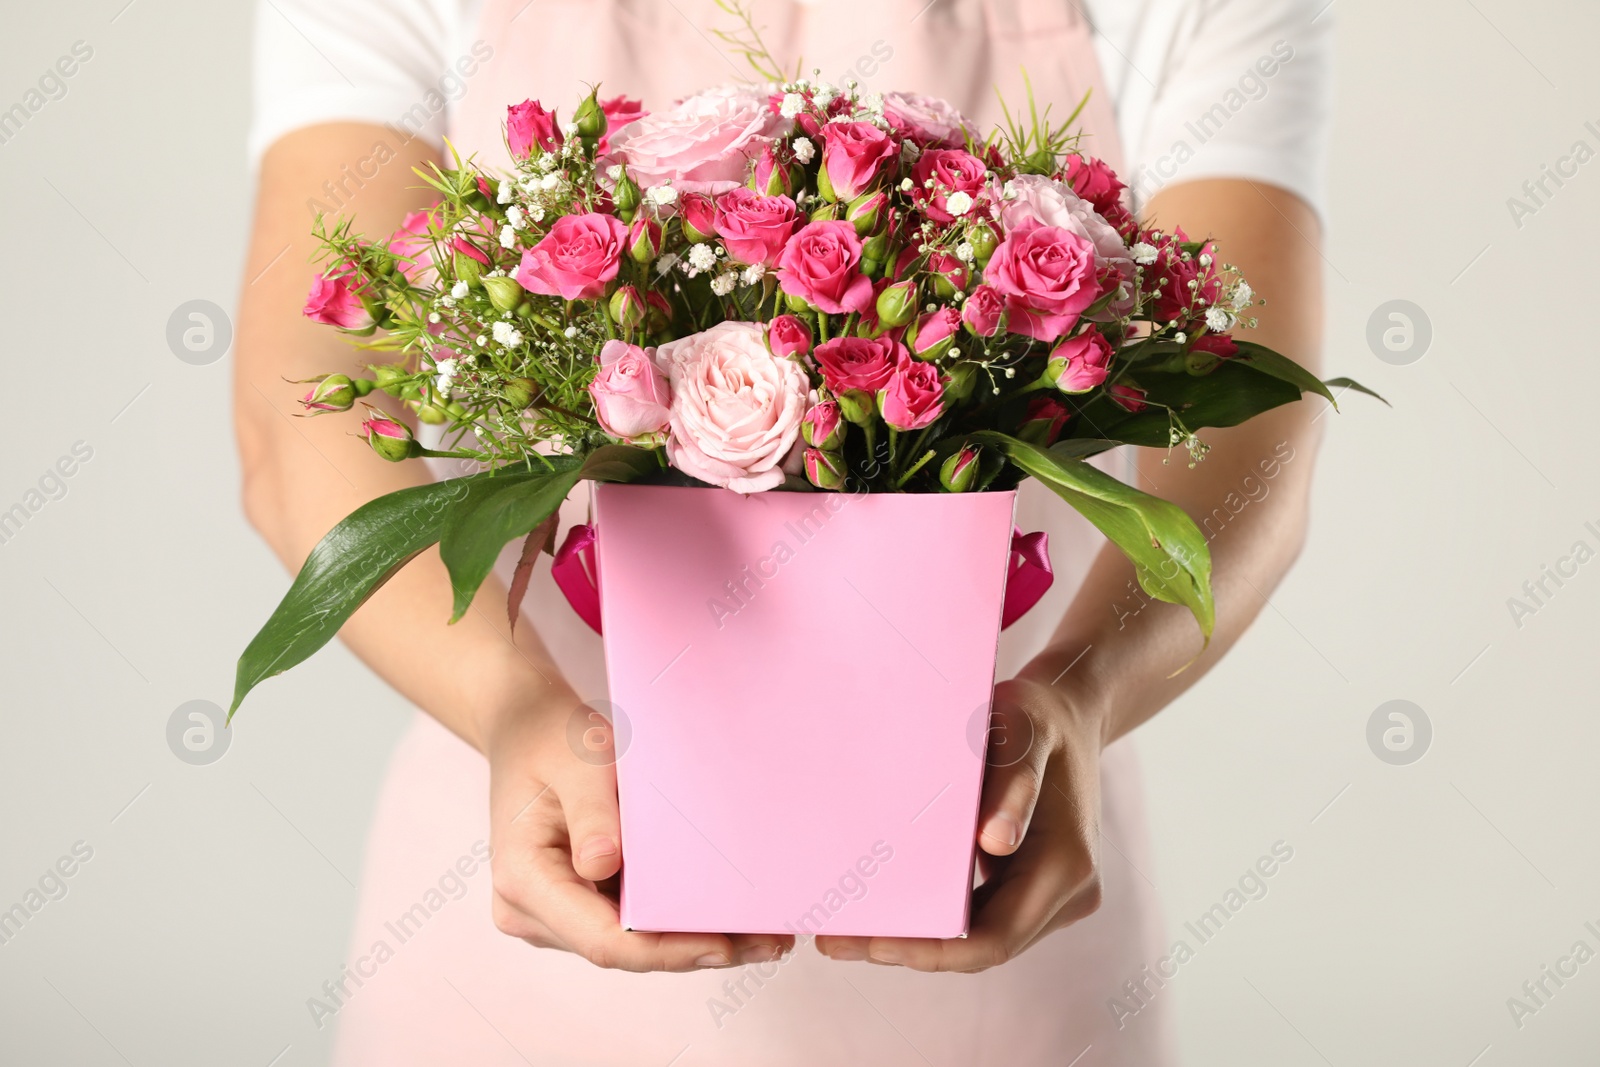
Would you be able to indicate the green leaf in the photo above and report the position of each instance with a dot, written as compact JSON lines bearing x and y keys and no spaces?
{"x":494,"y":513}
{"x":347,"y":566}
{"x":1279,"y":366}
{"x":1351,"y":383}
{"x":1229,"y":395}
{"x":620,"y":463}
{"x":1168,"y":551}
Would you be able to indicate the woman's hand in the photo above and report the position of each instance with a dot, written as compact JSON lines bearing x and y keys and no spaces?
{"x":1038,"y":832}
{"x":557,"y":847}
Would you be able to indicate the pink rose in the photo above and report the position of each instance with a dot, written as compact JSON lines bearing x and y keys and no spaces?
{"x":619,"y":112}
{"x":576,"y":258}
{"x":334,"y":302}
{"x":699,"y":214}
{"x":1047,"y":275}
{"x":862,"y":363}
{"x":704,"y":144}
{"x":755,"y":228}
{"x":914,"y":397}
{"x":736,"y":408}
{"x":984,"y":311}
{"x":630,"y":395}
{"x":1080,"y":363}
{"x":823,"y":426}
{"x":820,"y":265}
{"x":934,"y":333}
{"x":1130,"y":397}
{"x":927,"y":120}
{"x":1043,"y":420}
{"x":1187,"y":288}
{"x":853,"y":155}
{"x":1044,"y":200}
{"x":952,"y":170}
{"x":788,"y":336}
{"x":413,"y":247}
{"x":1221,"y":345}
{"x":1096,"y":182}
{"x":529,"y":124}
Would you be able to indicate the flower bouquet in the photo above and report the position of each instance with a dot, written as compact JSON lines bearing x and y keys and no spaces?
{"x":789,"y":332}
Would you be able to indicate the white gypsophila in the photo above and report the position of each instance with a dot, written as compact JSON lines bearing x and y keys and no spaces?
{"x":614,"y":172}
{"x":434,"y":318}
{"x":662,"y":194}
{"x":570,"y":332}
{"x":701,"y":257}
{"x":515,"y":217}
{"x":1182,"y":338}
{"x":906,"y":184}
{"x":1145,"y":254}
{"x":445,"y":372}
{"x":824,"y":95}
{"x":536,"y":212}
{"x":458,"y":290}
{"x":1218,"y":320}
{"x":964,"y":252}
{"x":569,"y":130}
{"x":1243,"y":294}
{"x":507,"y":334}
{"x":793,"y":104}
{"x":873,"y":102}
{"x":958,"y":203}
{"x":804,"y":150}
{"x":723,"y":283}
{"x":666,"y":263}
{"x":507,"y":191}
{"x":753,"y":274}
{"x":508,"y":237}
{"x":550,"y":182}
{"x":1009,"y":190}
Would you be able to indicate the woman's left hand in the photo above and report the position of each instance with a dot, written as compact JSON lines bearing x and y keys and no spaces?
{"x":1038,"y":836}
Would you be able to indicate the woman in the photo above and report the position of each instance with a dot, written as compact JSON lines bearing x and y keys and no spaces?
{"x":1225,"y":104}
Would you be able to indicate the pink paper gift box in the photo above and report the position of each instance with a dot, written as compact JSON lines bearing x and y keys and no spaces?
{"x":801,"y":683}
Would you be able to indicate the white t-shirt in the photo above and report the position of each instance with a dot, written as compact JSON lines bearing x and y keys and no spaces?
{"x":1203,"y":88}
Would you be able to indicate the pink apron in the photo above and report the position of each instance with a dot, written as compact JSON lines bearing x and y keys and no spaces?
{"x":458,"y":991}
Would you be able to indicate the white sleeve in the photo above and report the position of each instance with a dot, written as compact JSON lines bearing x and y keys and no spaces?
{"x":1229,"y":89}
{"x":378,"y":61}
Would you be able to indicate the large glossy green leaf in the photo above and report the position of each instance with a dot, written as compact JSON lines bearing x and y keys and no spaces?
{"x":348,"y":566}
{"x":1229,"y":395}
{"x":1168,"y":551}
{"x":1277,"y":365}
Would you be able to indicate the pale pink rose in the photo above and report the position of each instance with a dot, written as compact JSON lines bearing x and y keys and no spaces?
{"x":333,"y":302}
{"x":576,"y":258}
{"x":1048,"y":202}
{"x":630,"y":394}
{"x":736,"y":408}
{"x":929,"y":121}
{"x":620,"y":111}
{"x":703,"y":144}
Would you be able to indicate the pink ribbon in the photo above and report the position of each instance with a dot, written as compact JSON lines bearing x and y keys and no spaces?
{"x":1029,"y":577}
{"x":575,"y":574}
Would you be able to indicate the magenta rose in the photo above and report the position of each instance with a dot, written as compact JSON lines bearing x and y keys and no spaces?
{"x":927,"y":120}
{"x":576,"y":258}
{"x":914,"y":397}
{"x":1047,"y":275}
{"x":1037,"y":199}
{"x":620,"y":111}
{"x":413,"y":247}
{"x":788,"y":336}
{"x":1130,"y":397}
{"x":823,"y":426}
{"x":630,"y":395}
{"x":1080,"y":363}
{"x":1187,"y":288}
{"x":736,"y":408}
{"x":333,"y":301}
{"x":698,"y":212}
{"x":952,"y":170}
{"x":821,"y":265}
{"x":984,"y":312}
{"x":1221,"y":345}
{"x":1096,"y":182}
{"x":529,"y":124}
{"x":703,"y":144}
{"x":754,"y":228}
{"x":935,"y":332}
{"x":853,"y":155}
{"x":1043,"y":420}
{"x":862,"y":363}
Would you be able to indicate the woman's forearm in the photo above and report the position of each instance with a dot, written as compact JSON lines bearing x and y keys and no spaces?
{"x":1117,"y":653}
{"x":301,"y":476}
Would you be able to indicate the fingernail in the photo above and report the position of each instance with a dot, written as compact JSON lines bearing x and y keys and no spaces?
{"x":759,"y":953}
{"x":848,"y":954}
{"x":712,"y":959}
{"x":597,"y":848}
{"x":1004,"y":829}
{"x":885,"y":955}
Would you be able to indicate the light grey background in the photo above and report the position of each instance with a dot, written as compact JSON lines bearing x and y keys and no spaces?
{"x":1419,"y":897}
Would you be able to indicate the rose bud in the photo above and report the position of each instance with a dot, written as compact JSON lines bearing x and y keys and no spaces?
{"x":334,"y":392}
{"x":960,"y":471}
{"x":1042,"y":422}
{"x":644,"y":239}
{"x":1079,"y":363}
{"x":787,"y":335}
{"x":866,"y":212}
{"x":389,"y":438}
{"x":389,"y":377}
{"x":1130,"y":397}
{"x":772,"y":178}
{"x":529,"y":124}
{"x":699,"y":214}
{"x":983,"y":239}
{"x":963,"y":378}
{"x":505,"y":292}
{"x":897,"y":304}
{"x":935,"y":333}
{"x":825,"y":470}
{"x":432,"y":414}
{"x":1208,"y":351}
{"x":591,"y":119}
{"x":857,"y":407}
{"x":627,"y":308}
{"x":626,"y":196}
{"x":873,"y":249}
{"x":466,"y":268}
{"x":335,"y":302}
{"x":658,"y":312}
{"x":984,"y":313}
{"x":823,"y":426}
{"x":521,"y":392}
{"x":950,"y":274}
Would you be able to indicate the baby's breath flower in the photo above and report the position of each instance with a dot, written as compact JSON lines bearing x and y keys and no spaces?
{"x":458,"y":290}
{"x":1144,"y":254}
{"x":804,"y":150}
{"x":570,"y":332}
{"x":508,"y":236}
{"x":793,"y":104}
{"x":723,"y":283}
{"x":701,"y":257}
{"x":666,"y":263}
{"x":507,"y":334}
{"x":753,"y":274}
{"x":958,"y":203}
{"x":661,"y":194}
{"x":507,"y":191}
{"x":515,"y":217}
{"x":1218,"y":320}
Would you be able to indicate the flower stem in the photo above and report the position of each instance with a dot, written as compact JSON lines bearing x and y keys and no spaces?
{"x":915,"y":467}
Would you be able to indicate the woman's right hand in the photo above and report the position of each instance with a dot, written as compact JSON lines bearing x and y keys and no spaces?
{"x":557,"y":847}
